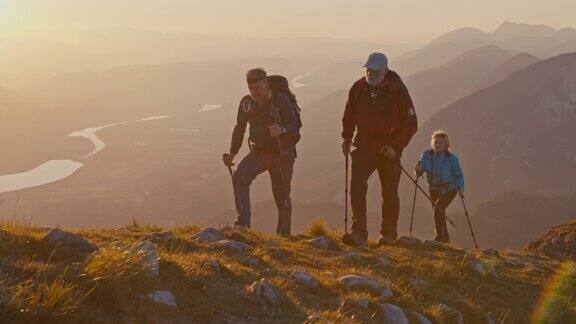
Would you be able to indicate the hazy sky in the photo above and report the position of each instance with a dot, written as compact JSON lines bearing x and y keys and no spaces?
{"x":399,"y":21}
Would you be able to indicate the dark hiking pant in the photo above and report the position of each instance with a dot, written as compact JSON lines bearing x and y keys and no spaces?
{"x":364,"y":163}
{"x":442,"y":200}
{"x":280,"y":170}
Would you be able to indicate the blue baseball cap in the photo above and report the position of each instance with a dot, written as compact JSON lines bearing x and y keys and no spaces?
{"x":376,"y":61}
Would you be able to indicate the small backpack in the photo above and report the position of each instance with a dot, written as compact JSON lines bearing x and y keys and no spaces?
{"x":279,"y":84}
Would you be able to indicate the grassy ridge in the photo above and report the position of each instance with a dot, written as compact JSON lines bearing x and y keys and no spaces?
{"x":45,"y":282}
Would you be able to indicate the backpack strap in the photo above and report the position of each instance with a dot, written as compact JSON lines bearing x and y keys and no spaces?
{"x":450,"y":156}
{"x":275,"y":110}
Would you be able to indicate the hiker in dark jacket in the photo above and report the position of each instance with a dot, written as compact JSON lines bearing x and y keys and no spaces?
{"x":274,"y":131}
{"x":445,"y":179}
{"x":380,"y":110}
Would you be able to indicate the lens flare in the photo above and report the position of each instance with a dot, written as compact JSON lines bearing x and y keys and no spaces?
{"x":557,"y":304}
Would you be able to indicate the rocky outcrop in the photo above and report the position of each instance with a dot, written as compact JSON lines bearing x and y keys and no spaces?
{"x":59,"y":237}
{"x":150,"y":260}
{"x":362,"y":283}
{"x":209,"y":234}
{"x":265,"y":294}
{"x":558,"y":243}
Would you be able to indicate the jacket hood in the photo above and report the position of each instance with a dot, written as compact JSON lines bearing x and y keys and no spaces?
{"x":392,"y":79}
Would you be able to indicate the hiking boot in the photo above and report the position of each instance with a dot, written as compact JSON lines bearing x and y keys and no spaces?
{"x":386,"y":240}
{"x":354,"y":239}
{"x":442,"y":238}
{"x":283,"y":233}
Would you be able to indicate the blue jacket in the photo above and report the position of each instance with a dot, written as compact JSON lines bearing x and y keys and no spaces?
{"x":443,"y":171}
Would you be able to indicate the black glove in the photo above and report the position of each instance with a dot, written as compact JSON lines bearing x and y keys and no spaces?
{"x":227,"y":158}
{"x":418,"y":170}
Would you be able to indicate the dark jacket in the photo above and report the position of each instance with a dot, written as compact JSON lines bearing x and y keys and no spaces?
{"x":259,"y":118}
{"x":387,"y":119}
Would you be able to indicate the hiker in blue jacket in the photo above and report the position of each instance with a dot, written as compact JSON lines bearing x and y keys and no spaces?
{"x":445,"y":179}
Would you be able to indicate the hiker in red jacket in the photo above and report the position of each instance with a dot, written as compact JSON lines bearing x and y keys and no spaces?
{"x":380,"y":110}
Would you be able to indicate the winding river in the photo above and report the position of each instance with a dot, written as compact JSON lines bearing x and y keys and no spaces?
{"x":295,"y":82}
{"x":55,"y":170}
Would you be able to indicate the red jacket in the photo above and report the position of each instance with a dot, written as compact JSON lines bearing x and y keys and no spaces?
{"x":386,"y":117}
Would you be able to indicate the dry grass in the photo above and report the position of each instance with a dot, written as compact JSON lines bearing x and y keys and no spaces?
{"x":41,"y":282}
{"x":57,"y":298}
{"x":115,"y":263}
{"x":318,"y":227}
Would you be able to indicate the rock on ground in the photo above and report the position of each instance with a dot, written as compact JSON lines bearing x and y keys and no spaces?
{"x":305,"y":279}
{"x":163,"y":237}
{"x":353,"y":305}
{"x":361,"y":283}
{"x":391,"y":314}
{"x":67,"y":239}
{"x":408,"y":241}
{"x":449,"y":314}
{"x":265,"y":294}
{"x":384,"y":263}
{"x":417,"y":318}
{"x":209,"y":234}
{"x":248,"y":260}
{"x":490,"y":269}
{"x":433,"y":244}
{"x":352,"y":257}
{"x":150,"y":259}
{"x":482,"y":269}
{"x":491,"y":252}
{"x":477,"y":268}
{"x":163,"y":297}
{"x":322,"y":242}
{"x":234,"y":245}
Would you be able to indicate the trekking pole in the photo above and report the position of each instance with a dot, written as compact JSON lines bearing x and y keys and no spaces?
{"x":231,"y":175}
{"x":468,"y":218}
{"x":278,"y":120}
{"x":423,"y":191}
{"x":414,"y":202}
{"x":346,"y":198}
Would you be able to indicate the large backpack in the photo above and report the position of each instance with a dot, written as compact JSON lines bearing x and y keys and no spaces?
{"x":280,"y":84}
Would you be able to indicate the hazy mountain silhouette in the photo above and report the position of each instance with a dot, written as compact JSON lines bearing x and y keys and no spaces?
{"x":513,"y":219}
{"x":509,"y":30}
{"x":538,"y":40}
{"x":569,"y":46}
{"x":44,"y":55}
{"x":516,"y":135}
{"x":436,"y":88}
{"x":515,"y":63}
{"x":430,"y":57}
{"x":534,"y":39}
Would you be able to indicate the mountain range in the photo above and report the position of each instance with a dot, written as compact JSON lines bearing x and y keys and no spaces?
{"x":515,"y":135}
{"x":539,"y":40}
